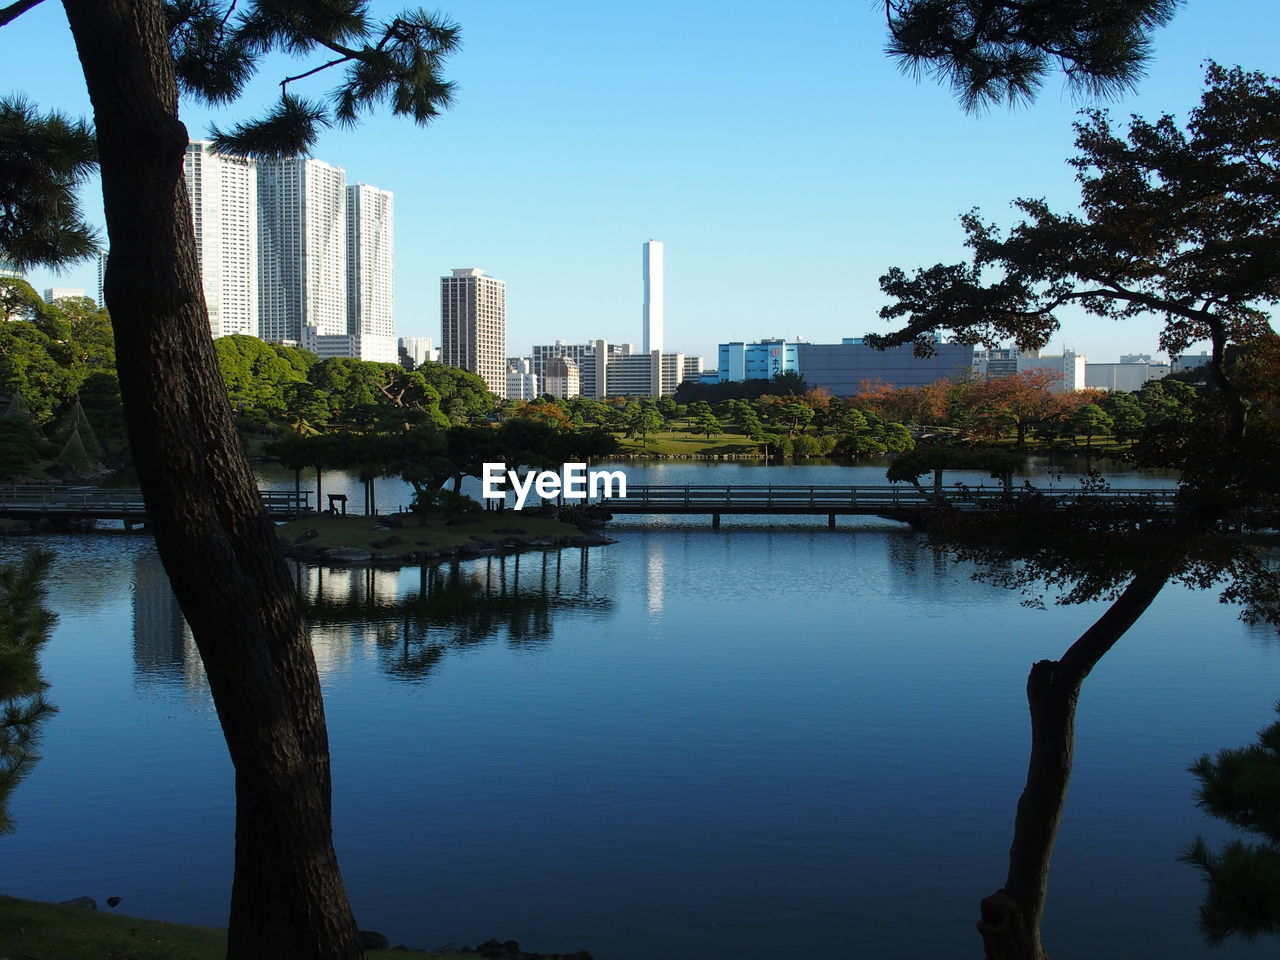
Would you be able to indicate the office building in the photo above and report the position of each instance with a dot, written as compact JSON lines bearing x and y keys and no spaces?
{"x":1189,"y":361}
{"x":57,"y":293}
{"x":992,"y":363}
{"x":563,"y":378}
{"x":652,"y":375}
{"x":522,"y":382}
{"x":653,"y":287}
{"x":1068,"y":366}
{"x":223,"y":193}
{"x":302,"y":226}
{"x":1126,"y":375}
{"x":473,"y":326}
{"x":370,"y":271}
{"x":592,"y":375}
{"x":415,"y":351}
{"x":845,"y":368}
{"x":756,"y":361}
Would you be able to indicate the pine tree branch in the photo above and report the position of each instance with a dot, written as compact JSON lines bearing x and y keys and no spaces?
{"x":15,"y":10}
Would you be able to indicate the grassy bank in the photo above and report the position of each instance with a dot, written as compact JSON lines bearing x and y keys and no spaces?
{"x":44,"y":931}
{"x":682,"y":444}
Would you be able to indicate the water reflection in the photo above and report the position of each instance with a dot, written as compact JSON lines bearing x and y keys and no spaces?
{"x":411,"y":618}
{"x":164,"y":650}
{"x":414,"y":618}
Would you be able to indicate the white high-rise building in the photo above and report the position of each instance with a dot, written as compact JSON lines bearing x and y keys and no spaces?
{"x":370,"y":271}
{"x":102,"y":276}
{"x":473,"y":326}
{"x":57,"y":293}
{"x":223,"y":191}
{"x":302,"y":275}
{"x":418,"y":350}
{"x":652,"y":297}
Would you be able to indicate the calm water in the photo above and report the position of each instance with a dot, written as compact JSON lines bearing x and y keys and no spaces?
{"x":750,"y":743}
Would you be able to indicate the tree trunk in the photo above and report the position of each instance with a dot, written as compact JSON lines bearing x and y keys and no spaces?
{"x":220,"y":550}
{"x":1010,"y":917}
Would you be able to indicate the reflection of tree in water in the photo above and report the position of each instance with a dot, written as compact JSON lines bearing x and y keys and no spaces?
{"x":25,"y":624}
{"x":456,"y":606}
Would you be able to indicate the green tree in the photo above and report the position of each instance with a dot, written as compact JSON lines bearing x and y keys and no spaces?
{"x":1242,"y":880}
{"x":707,"y":424}
{"x":995,"y":53}
{"x":255,"y":373}
{"x":1126,"y":413}
{"x":1091,"y":420}
{"x":1176,"y":223}
{"x":217,"y":545}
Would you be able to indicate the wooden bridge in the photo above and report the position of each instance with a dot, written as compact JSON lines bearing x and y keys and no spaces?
{"x":73,"y":504}
{"x":895,"y":502}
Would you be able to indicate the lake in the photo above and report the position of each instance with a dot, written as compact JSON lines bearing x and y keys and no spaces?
{"x":757,"y":742}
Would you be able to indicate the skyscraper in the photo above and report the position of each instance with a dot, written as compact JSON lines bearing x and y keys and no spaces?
{"x":223,"y":191}
{"x":652,"y":297}
{"x":302,"y":276}
{"x":370,"y":242}
{"x":473,"y":326}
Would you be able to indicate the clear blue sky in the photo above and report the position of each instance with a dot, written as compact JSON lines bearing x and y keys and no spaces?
{"x":782,"y":159}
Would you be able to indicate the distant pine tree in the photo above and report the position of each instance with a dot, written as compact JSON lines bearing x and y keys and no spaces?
{"x":25,"y":624}
{"x":76,"y":421}
{"x":76,"y":457}
{"x":18,"y":408}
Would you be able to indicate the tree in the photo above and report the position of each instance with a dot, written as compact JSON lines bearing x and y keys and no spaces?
{"x":1175,"y":223}
{"x":216,"y":543}
{"x":1242,"y":880}
{"x":999,"y":52}
{"x":214,"y":538}
{"x":1090,"y":419}
{"x":708,"y":424}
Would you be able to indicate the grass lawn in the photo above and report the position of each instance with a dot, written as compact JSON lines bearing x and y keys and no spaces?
{"x":680,"y":443}
{"x":43,"y":931}
{"x":357,"y":531}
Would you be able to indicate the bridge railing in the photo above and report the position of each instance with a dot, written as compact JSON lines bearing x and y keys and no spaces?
{"x":816,"y":496}
{"x":56,"y":499}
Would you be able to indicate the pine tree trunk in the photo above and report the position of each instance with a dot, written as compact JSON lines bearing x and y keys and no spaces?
{"x":1010,"y":917}
{"x":216,"y":542}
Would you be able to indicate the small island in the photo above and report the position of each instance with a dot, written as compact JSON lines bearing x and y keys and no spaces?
{"x":403,"y":539}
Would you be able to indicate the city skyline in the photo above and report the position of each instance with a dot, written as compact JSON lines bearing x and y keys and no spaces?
{"x":823,"y":179}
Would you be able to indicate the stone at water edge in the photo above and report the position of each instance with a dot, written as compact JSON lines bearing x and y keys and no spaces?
{"x":86,"y":903}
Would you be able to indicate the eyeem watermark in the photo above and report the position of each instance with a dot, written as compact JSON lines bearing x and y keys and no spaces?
{"x":573,"y":482}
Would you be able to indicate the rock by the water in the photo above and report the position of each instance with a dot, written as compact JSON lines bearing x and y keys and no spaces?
{"x":87,"y":903}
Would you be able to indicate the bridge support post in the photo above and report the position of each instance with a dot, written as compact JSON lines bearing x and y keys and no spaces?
{"x":715,"y":521}
{"x":831,"y":521}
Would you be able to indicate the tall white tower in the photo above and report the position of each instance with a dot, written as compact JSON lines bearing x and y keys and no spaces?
{"x":223,"y":191}
{"x":370,"y":290}
{"x":652,"y":296}
{"x":302,"y":275}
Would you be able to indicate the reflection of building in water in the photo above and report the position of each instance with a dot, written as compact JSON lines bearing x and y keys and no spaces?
{"x":655,"y":575}
{"x":163,"y":648}
{"x":335,"y":645}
